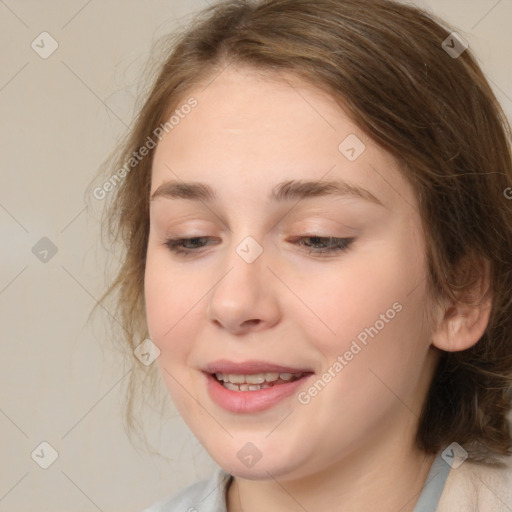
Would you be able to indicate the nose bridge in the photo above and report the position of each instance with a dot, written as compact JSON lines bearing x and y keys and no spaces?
{"x":245,"y":265}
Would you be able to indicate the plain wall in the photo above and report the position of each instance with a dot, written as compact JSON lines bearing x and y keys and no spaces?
{"x":60,"y":117}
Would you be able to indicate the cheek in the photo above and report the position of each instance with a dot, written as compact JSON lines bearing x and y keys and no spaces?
{"x":169,"y":304}
{"x":344,"y":301}
{"x":157,"y":298}
{"x":169,"y":313}
{"x":371,"y":307}
{"x":375,"y":310}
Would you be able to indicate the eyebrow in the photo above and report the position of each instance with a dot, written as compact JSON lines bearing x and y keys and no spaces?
{"x":285,"y":191}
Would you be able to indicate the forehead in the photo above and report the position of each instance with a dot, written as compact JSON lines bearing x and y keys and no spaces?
{"x":252,"y":131}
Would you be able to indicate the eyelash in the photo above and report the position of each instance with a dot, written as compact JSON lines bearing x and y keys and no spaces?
{"x":338,"y":244}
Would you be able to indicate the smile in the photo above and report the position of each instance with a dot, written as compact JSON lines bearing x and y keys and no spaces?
{"x":252,"y":393}
{"x":255,"y":382}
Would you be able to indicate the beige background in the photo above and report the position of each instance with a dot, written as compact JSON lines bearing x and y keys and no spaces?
{"x":60,"y":118}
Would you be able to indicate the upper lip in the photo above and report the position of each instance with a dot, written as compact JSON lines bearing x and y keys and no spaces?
{"x":250,"y":367}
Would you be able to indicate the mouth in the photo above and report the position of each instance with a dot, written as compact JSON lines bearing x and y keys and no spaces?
{"x":253,"y":386}
{"x":257,"y":381}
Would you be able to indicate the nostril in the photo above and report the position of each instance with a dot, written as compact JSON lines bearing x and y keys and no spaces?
{"x":252,"y":322}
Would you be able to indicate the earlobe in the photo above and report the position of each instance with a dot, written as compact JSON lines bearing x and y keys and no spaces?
{"x":462,"y":325}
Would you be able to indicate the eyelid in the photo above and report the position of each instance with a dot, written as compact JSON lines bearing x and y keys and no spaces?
{"x":324,"y":226}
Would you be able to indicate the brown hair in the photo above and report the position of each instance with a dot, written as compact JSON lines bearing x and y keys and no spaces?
{"x":436,"y":114}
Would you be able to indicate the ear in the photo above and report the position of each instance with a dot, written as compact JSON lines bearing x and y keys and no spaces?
{"x":462,"y":325}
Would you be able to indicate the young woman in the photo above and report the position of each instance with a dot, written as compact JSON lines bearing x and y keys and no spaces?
{"x":313,"y":202}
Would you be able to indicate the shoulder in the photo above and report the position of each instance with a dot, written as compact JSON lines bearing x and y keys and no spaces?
{"x":205,"y":495}
{"x":479,"y":487}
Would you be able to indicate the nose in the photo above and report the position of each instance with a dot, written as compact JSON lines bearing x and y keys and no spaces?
{"x":244,"y":299}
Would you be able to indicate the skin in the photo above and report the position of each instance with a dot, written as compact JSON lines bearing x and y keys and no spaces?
{"x":352,"y":446}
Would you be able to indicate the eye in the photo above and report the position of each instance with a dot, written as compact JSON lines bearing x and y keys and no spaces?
{"x":179,"y":245}
{"x":320,"y":245}
{"x":316,"y":244}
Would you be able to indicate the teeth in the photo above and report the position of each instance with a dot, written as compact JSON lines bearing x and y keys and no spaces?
{"x":257,"y":378}
{"x":236,"y":379}
{"x":254,"y":382}
{"x":245,"y":387}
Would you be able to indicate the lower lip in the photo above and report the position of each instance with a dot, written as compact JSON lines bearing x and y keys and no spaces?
{"x":251,"y":401}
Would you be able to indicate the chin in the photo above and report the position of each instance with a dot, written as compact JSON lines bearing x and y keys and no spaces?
{"x":266,"y":468}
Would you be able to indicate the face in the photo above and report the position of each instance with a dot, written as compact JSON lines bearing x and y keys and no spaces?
{"x":267,"y":276}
